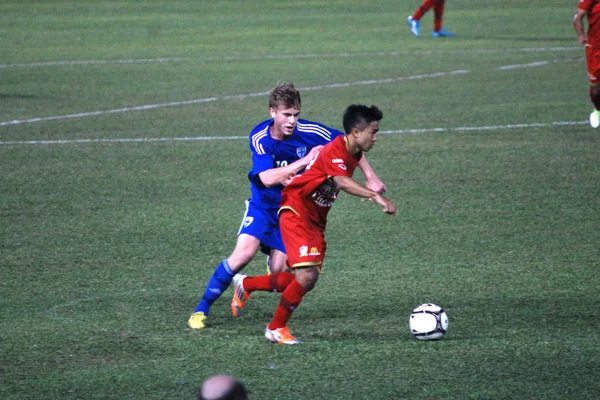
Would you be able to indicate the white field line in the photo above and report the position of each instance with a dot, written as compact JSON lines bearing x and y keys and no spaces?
{"x":210,"y":138}
{"x":239,"y":97}
{"x":244,"y":96}
{"x":287,"y":56}
{"x":483,"y":128}
{"x":127,"y":140}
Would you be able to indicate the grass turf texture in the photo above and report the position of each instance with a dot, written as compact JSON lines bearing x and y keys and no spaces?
{"x":106,"y":247}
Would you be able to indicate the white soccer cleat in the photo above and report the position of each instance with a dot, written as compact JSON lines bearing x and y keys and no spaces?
{"x":281,"y":336}
{"x":413,"y":25}
{"x":595,"y":119}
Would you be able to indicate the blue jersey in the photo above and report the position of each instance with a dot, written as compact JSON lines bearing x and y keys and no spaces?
{"x":269,"y":153}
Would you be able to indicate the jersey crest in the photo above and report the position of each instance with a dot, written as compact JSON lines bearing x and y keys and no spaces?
{"x":301,"y":151}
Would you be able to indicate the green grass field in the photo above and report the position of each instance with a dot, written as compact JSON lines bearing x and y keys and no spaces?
{"x":123,"y":158}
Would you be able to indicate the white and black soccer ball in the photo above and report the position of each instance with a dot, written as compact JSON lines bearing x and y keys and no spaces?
{"x":428,"y":322}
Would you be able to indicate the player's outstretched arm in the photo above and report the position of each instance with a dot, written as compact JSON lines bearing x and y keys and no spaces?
{"x":373,"y":181}
{"x":355,"y":188}
{"x":283,"y":175}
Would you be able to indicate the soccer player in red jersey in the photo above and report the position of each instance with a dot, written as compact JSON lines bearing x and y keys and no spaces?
{"x":305,"y":203}
{"x":438,"y":12}
{"x":281,"y":146}
{"x":591,"y":41}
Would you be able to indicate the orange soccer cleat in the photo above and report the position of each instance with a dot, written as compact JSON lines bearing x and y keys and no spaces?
{"x":240,"y":296}
{"x":281,"y":336}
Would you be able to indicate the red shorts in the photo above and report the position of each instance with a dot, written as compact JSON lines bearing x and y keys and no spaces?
{"x":592,"y":56}
{"x":304,"y":243}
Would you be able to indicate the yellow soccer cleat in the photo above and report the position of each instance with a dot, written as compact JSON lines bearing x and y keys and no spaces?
{"x":197,"y":320}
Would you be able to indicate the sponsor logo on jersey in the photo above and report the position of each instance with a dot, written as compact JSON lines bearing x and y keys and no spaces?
{"x":301,"y":151}
{"x":322,"y":201}
{"x":342,"y":166}
{"x":314,"y":251}
{"x":248,"y":221}
{"x":337,"y":160}
{"x":303,"y":251}
{"x":325,"y":194}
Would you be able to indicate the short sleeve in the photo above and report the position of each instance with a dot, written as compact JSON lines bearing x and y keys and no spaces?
{"x":260,"y":163}
{"x":586,"y":5}
{"x":335,"y":161}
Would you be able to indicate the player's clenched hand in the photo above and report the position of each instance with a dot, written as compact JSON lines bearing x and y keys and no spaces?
{"x":376,"y":185}
{"x":387,"y":204}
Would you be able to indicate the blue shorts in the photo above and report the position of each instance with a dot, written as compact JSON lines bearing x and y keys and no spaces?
{"x":263,"y":225}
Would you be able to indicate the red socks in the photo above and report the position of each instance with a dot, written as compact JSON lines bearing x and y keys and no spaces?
{"x":594,"y":98}
{"x":269,"y":283}
{"x":291,"y":296}
{"x":438,"y":11}
{"x":427,"y":4}
{"x":290,"y":299}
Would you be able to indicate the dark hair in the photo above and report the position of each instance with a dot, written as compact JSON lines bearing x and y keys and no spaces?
{"x":359,"y":116}
{"x":285,"y":94}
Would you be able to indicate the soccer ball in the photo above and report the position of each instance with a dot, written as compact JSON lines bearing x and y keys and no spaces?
{"x":428,"y":322}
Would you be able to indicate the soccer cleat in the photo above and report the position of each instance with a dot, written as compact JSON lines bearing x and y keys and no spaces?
{"x":595,"y":119}
{"x":442,"y":33}
{"x":197,"y":320}
{"x":240,"y":296}
{"x":281,"y":336}
{"x":414,"y":26}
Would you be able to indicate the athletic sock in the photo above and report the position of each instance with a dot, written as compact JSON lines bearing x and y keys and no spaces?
{"x":290,"y":300}
{"x":595,"y":99}
{"x":277,"y":282}
{"x":218,"y":283}
{"x":438,"y":12}
{"x":427,"y":4}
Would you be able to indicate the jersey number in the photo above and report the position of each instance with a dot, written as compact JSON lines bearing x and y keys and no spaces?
{"x":279,"y":164}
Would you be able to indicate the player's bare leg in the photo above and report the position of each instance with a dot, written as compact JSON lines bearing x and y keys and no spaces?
{"x":307,"y":277}
{"x":277,"y":262}
{"x":246,"y":248}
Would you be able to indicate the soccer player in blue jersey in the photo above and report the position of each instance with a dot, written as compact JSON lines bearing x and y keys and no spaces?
{"x":282,"y":147}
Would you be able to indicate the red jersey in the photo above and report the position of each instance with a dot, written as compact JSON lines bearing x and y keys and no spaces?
{"x":592,"y":7}
{"x":312,"y":194}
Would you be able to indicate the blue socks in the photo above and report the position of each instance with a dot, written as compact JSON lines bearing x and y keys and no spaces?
{"x":218,"y":283}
